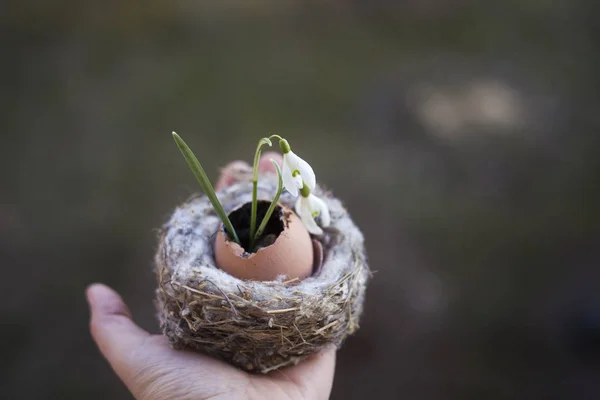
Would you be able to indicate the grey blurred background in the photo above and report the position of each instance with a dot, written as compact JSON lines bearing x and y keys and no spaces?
{"x":462,"y":135}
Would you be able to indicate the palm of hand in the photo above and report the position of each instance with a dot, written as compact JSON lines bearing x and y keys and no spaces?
{"x":152,"y":370}
{"x":165,"y":373}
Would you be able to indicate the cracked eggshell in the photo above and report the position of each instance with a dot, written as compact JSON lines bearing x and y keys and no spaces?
{"x":291,"y":254}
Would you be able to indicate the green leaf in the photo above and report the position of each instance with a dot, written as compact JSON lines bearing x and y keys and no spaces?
{"x":205,"y":184}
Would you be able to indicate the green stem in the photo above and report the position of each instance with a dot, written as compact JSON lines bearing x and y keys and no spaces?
{"x":206,"y":186}
{"x":271,"y":208}
{"x":254,"y":204}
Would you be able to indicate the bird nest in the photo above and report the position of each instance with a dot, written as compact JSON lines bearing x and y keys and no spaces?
{"x":257,"y":326}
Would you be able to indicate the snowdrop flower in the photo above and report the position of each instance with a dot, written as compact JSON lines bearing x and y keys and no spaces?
{"x":309,"y":206}
{"x":296,"y":172}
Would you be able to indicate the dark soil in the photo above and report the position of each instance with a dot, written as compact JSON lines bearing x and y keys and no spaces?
{"x":240,"y":219}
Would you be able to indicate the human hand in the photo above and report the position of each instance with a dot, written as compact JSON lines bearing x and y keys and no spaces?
{"x":152,"y":370}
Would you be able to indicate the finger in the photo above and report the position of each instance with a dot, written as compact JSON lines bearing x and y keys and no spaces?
{"x":313,"y":375}
{"x":265,"y":165}
{"x":232,"y":173}
{"x":116,"y":335}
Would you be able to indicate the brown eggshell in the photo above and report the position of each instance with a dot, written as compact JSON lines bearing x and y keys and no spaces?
{"x":291,"y":254}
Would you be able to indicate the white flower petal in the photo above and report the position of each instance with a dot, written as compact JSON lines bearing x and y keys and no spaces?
{"x":310,"y":207}
{"x":298,"y":206}
{"x":308,"y":175}
{"x":289,"y":182}
{"x":319,"y":204}
{"x":295,"y":163}
{"x":298,"y":180}
{"x":310,"y":224}
{"x":305,"y":206}
{"x":292,"y":160}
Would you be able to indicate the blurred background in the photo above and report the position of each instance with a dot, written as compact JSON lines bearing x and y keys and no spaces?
{"x":462,"y":136}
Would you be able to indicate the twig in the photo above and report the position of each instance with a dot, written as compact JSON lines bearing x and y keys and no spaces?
{"x":326,"y":327}
{"x":282,"y":311}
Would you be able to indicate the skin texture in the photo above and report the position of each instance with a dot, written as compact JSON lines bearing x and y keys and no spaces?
{"x":151,"y":370}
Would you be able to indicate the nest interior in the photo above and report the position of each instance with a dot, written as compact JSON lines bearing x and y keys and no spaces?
{"x":257,"y":326}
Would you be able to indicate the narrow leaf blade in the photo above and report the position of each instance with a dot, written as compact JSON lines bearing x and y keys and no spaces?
{"x":205,"y":184}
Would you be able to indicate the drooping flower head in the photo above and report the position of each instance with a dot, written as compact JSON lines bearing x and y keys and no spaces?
{"x":308,"y":207}
{"x":296,"y":172}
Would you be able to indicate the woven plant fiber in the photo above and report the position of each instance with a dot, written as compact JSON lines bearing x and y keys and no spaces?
{"x":257,"y":326}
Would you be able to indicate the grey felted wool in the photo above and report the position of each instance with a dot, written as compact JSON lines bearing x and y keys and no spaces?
{"x":257,"y":326}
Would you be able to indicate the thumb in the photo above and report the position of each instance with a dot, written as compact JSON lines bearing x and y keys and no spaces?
{"x":116,"y":335}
